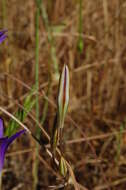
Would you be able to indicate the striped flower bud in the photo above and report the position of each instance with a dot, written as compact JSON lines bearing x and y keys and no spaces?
{"x":63,"y":96}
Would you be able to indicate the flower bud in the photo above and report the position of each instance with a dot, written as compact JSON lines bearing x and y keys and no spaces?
{"x":63,"y":96}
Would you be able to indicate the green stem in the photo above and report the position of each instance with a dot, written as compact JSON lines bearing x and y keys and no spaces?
{"x":37,"y":65}
{"x":4,"y":12}
{"x":80,"y":40}
{"x":50,"y":40}
{"x":35,"y":169}
{"x":1,"y":181}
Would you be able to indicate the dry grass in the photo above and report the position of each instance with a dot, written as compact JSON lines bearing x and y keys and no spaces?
{"x":93,"y":141}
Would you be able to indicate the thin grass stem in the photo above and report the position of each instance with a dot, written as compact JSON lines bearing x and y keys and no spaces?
{"x":44,"y":17}
{"x":36,"y":162}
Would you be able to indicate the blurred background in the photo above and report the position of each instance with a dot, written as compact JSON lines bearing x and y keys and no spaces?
{"x":90,"y":37}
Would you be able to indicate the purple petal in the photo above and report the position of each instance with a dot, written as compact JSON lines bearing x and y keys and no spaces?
{"x":2,"y":32}
{"x":2,"y":38}
{"x":4,"y":143}
{"x":2,"y":35}
{"x":1,"y":127}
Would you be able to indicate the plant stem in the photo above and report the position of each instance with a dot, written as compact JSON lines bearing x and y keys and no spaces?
{"x":50,"y":40}
{"x":4,"y":12}
{"x":35,"y":166}
{"x":1,"y":181}
{"x":80,"y":40}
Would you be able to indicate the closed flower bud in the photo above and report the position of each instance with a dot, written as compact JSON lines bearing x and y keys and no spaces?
{"x":63,"y":96}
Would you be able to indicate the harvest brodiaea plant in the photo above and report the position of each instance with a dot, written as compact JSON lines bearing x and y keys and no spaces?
{"x":5,"y":142}
{"x":56,"y":139}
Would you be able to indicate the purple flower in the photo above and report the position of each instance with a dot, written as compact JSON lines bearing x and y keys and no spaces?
{"x":5,"y":142}
{"x":2,"y":35}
